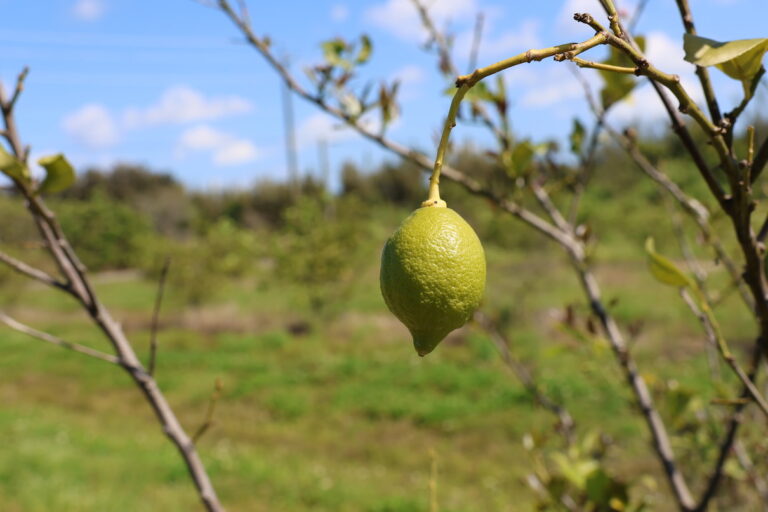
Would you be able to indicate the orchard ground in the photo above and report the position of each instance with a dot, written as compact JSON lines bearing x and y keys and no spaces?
{"x":328,"y":407}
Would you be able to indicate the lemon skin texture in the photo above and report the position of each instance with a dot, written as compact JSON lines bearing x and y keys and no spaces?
{"x":433,"y":274}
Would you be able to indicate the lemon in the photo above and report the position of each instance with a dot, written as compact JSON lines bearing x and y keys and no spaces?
{"x":433,"y":274}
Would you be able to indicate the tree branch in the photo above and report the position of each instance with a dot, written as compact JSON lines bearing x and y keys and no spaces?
{"x":660,"y":436}
{"x":410,"y":155}
{"x":730,"y":437}
{"x":50,"y":338}
{"x":696,"y":210}
{"x":208,"y":422}
{"x":31,"y":272}
{"x":71,"y":266}
{"x":604,"y":67}
{"x":761,"y":158}
{"x":705,"y":316}
{"x":566,"y":423}
{"x":156,"y":316}
{"x":661,"y":441}
{"x":701,"y":72}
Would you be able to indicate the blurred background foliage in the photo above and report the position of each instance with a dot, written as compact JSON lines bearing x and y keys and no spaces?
{"x":274,"y":289}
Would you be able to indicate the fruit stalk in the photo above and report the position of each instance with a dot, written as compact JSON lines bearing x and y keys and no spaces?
{"x":433,"y":199}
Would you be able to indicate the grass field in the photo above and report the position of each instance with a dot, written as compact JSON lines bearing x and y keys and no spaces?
{"x":342,"y":418}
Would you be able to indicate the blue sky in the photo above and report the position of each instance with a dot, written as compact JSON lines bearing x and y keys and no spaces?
{"x":171,"y":85}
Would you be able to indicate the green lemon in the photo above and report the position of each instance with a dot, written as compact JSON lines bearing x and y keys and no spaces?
{"x":433,"y":274}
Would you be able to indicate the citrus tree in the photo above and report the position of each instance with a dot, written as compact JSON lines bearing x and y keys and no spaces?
{"x":544,"y":195}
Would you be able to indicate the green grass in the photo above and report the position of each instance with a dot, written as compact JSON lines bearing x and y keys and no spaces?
{"x":342,"y":418}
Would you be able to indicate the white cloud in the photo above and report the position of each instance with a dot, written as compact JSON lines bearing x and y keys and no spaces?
{"x":565,"y":20}
{"x":549,"y":85}
{"x":224,"y":148}
{"x":401,"y":18}
{"x":321,"y":126}
{"x":182,"y":104}
{"x":410,"y":77}
{"x":410,"y":74}
{"x":88,"y":10}
{"x":339,"y":13}
{"x":92,"y":125}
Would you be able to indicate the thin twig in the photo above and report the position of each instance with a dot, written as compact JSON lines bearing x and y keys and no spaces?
{"x":696,"y":210}
{"x":73,"y":269}
{"x":636,"y":15}
{"x":734,"y":114}
{"x":156,"y":316}
{"x":661,"y":441}
{"x":448,"y":66}
{"x":705,"y":316}
{"x":701,"y":72}
{"x":546,"y":203}
{"x":761,"y":158}
{"x":408,"y":154}
{"x":32,"y":272}
{"x":575,"y":249}
{"x":208,"y":422}
{"x":729,"y":439}
{"x":477,"y":37}
{"x":604,"y":67}
{"x":522,"y":373}
{"x":50,"y":338}
{"x":672,"y":82}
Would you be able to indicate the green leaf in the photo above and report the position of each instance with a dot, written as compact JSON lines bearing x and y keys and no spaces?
{"x":577,"y":136}
{"x":517,"y":160}
{"x":500,"y":98}
{"x":575,"y":471}
{"x":618,"y":85}
{"x":663,"y":269}
{"x":12,"y":166}
{"x":334,"y":50}
{"x":740,"y":59}
{"x":479,"y":92}
{"x":388,"y":103}
{"x":366,"y":47}
{"x":59,"y":174}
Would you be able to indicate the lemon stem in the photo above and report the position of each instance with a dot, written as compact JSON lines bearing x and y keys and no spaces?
{"x":433,"y":199}
{"x":466,"y":82}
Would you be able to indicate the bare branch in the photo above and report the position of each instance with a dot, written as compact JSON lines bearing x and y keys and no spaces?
{"x":156,"y":316}
{"x":715,"y":337}
{"x":604,"y":67}
{"x":448,"y":66}
{"x":566,"y":423}
{"x":696,"y":210}
{"x":546,"y":203}
{"x":637,"y":14}
{"x":208,"y":422}
{"x":443,"y":49}
{"x":702,"y":72}
{"x":71,"y":266}
{"x":661,"y":441}
{"x":734,"y":114}
{"x":410,"y":155}
{"x":50,"y":338}
{"x":613,"y":17}
{"x":730,"y":437}
{"x":477,"y":37}
{"x":34,"y":273}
